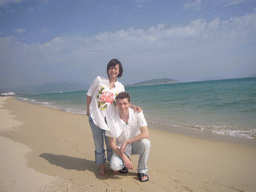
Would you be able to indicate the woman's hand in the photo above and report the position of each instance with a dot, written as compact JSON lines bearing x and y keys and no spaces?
{"x":136,"y":108}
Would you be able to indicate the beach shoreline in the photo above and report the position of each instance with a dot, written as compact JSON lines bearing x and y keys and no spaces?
{"x":58,"y":147}
{"x":197,"y":133}
{"x":208,"y":135}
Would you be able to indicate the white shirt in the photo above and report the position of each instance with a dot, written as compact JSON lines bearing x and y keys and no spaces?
{"x":121,"y":130}
{"x":102,"y":97}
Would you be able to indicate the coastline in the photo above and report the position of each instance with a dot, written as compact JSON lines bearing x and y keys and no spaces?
{"x":58,"y":146}
{"x":208,"y":135}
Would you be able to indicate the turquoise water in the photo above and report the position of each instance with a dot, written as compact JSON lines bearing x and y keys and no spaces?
{"x":226,"y":107}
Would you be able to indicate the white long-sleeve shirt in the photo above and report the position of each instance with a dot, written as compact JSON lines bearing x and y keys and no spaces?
{"x":102,"y":97}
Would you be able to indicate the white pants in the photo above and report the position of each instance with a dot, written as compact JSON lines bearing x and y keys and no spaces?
{"x":142,"y":148}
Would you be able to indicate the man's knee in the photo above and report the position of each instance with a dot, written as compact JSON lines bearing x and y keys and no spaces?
{"x":116,"y":163}
{"x":145,"y":143}
{"x":114,"y":166}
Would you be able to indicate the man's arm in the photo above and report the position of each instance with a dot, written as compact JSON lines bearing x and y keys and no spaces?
{"x":116,"y":150}
{"x":143,"y":135}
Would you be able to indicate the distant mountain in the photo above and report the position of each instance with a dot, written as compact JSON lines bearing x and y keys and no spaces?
{"x":48,"y":88}
{"x":254,"y":75}
{"x":156,"y":81}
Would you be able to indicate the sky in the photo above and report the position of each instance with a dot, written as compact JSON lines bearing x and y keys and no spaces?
{"x":44,"y":41}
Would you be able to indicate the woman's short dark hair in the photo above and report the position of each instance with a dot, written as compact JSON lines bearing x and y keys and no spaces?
{"x":113,"y":63}
{"x":123,"y":95}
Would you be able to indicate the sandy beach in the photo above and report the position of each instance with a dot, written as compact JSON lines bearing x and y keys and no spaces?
{"x":45,"y":149}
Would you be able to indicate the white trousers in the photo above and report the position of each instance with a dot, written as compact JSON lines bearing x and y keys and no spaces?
{"x":142,"y":148}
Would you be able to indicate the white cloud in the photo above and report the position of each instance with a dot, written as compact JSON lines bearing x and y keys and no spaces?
{"x":195,"y":5}
{"x":8,"y":1}
{"x":153,"y":35}
{"x":141,"y":1}
{"x":20,"y":30}
{"x":214,"y":24}
{"x":165,"y":50}
{"x":234,"y":2}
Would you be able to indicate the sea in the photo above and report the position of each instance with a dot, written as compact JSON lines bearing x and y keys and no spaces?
{"x":219,"y":107}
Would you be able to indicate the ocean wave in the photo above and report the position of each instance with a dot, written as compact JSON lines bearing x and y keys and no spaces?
{"x":163,"y":119}
{"x":42,"y":103}
{"x":74,"y":110}
{"x":227,"y":130}
{"x":228,"y":104}
{"x":53,"y":105}
{"x":220,"y":129}
{"x":250,"y":134}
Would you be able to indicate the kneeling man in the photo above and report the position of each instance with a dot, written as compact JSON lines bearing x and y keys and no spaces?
{"x":128,"y":135}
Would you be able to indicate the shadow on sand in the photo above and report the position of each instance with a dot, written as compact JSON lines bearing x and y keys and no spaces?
{"x":79,"y":164}
{"x":68,"y":162}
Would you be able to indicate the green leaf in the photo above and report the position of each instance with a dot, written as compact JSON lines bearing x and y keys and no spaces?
{"x":104,"y":107}
{"x":99,"y":104}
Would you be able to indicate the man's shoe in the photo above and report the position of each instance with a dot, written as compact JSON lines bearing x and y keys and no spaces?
{"x":141,"y":175}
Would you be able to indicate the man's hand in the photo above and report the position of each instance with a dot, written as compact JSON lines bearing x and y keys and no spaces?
{"x":124,"y":145}
{"x":127,"y":162}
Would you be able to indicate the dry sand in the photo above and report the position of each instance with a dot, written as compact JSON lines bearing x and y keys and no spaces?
{"x":44,"y":149}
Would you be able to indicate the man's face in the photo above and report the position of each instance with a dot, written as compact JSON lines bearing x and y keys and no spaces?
{"x":123,"y":105}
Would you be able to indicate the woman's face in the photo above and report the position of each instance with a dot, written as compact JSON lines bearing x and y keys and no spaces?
{"x":113,"y":71}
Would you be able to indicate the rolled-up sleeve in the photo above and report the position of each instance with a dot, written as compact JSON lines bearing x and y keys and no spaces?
{"x":108,"y":134}
{"x":93,"y":87}
{"x":141,"y":120}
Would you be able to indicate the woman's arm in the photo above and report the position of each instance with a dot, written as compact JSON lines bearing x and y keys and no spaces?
{"x":90,"y":93}
{"x":89,"y":99}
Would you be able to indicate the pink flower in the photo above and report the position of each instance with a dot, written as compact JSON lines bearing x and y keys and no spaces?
{"x":107,"y":97}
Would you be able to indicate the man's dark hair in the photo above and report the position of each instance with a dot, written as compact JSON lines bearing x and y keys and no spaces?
{"x":113,"y":63}
{"x":123,"y":95}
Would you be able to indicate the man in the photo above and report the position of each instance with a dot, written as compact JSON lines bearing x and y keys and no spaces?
{"x":128,"y":135}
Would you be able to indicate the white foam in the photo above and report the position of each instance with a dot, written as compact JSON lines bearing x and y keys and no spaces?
{"x":216,"y":129}
{"x":76,"y":111}
{"x":54,"y":105}
{"x":250,"y":134}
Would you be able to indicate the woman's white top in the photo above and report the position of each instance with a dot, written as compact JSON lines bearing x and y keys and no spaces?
{"x":102,"y":97}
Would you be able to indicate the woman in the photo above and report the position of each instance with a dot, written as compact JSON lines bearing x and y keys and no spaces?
{"x":100,"y":95}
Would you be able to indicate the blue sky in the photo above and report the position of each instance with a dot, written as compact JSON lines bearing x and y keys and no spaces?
{"x":72,"y":41}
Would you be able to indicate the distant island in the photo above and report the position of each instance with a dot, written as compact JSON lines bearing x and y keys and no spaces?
{"x":156,"y":82}
{"x":254,"y":75}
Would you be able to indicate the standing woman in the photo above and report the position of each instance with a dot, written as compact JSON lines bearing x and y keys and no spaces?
{"x":100,"y":95}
